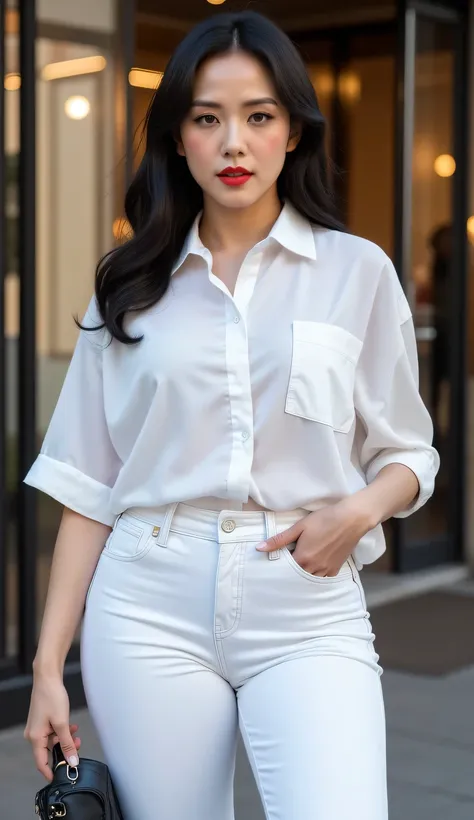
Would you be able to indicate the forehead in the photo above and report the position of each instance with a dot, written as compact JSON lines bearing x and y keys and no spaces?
{"x":237,"y":70}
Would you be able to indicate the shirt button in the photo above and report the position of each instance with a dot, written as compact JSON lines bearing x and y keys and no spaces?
{"x":228,"y":525}
{"x":245,"y":435}
{"x":237,"y":320}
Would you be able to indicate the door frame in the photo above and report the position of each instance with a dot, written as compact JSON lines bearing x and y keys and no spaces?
{"x":408,"y":557}
{"x":16,"y":669}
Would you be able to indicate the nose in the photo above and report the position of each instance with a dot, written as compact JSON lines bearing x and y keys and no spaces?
{"x":233,"y":143}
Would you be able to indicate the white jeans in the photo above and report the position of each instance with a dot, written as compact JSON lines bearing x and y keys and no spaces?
{"x":190,"y":634}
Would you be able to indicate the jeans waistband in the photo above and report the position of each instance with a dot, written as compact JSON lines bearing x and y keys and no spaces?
{"x":223,"y":526}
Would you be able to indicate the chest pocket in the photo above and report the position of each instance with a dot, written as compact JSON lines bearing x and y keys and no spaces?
{"x":323,"y":365}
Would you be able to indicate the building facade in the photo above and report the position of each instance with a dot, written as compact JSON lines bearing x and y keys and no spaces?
{"x":393,"y":82}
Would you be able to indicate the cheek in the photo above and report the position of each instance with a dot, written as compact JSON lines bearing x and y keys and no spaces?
{"x":274,"y":146}
{"x":195,"y":146}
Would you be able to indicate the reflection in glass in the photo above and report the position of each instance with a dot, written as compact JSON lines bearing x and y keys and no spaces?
{"x":75,"y":207}
{"x":369,"y":107}
{"x":324,"y":83}
{"x":431,"y":275}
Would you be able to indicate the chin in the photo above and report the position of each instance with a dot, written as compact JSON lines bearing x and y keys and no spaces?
{"x":234,"y":198}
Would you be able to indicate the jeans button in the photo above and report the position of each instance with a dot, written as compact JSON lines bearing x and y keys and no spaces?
{"x":228,"y":525}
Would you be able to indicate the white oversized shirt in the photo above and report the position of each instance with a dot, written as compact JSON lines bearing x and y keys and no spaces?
{"x":295,"y":391}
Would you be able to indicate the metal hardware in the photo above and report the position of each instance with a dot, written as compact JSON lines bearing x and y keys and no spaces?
{"x":57,"y":810}
{"x":73,"y":779}
{"x":156,"y":531}
{"x":228,"y":525}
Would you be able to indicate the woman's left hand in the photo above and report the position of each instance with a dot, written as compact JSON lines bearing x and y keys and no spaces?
{"x":324,"y":538}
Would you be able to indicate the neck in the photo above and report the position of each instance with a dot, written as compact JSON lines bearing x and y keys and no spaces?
{"x":233,"y":230}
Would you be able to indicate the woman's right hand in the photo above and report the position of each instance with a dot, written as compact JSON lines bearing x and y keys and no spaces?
{"x":48,"y":723}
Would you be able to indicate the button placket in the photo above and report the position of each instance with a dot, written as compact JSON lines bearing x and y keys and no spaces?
{"x":238,"y":368}
{"x":241,"y":407}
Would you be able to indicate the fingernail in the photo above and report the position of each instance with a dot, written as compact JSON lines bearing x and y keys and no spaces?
{"x":263,"y":545}
{"x":73,"y":760}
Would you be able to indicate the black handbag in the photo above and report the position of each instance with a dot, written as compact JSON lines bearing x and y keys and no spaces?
{"x":85,"y":792}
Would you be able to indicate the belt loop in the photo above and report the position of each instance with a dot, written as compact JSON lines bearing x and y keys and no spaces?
{"x":162,"y":538}
{"x":271,"y":530}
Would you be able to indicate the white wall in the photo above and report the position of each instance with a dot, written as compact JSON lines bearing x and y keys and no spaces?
{"x":96,"y":14}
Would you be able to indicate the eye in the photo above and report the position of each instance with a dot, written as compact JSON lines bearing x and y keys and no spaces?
{"x":262,"y":117}
{"x":206,"y":119}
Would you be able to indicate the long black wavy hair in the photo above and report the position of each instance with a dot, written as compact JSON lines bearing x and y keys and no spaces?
{"x":164,"y":199}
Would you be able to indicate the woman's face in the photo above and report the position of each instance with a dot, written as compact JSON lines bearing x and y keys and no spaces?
{"x":236,"y":121}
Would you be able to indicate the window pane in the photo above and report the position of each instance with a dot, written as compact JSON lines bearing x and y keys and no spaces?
{"x":76,"y":169}
{"x":431,"y":274}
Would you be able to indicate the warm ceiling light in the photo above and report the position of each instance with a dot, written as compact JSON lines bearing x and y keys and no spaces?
{"x":12,"y":25}
{"x":77,"y":107}
{"x":12,"y":82}
{"x":470,"y":229}
{"x":445,"y":165}
{"x":216,"y":2}
{"x":323,"y":82}
{"x":143,"y":78}
{"x":122,"y":229}
{"x":72,"y":68}
{"x":349,"y":86}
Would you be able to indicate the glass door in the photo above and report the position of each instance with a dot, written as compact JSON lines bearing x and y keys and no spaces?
{"x":64,"y":127}
{"x":431,"y":234}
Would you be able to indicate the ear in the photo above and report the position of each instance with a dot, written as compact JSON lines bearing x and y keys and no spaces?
{"x":294,"y":137}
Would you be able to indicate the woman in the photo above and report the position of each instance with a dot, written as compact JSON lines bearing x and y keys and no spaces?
{"x":244,"y":388}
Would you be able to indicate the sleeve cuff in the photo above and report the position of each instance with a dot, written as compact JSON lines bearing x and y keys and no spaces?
{"x":72,"y":488}
{"x":425,"y":465}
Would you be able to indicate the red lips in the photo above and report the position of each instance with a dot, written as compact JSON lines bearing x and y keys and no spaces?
{"x":234,"y":177}
{"x":237,"y":170}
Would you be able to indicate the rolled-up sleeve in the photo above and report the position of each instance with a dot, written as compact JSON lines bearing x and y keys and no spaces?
{"x":78,"y":464}
{"x":396,"y":422}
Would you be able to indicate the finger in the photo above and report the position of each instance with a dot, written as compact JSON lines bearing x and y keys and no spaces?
{"x":53,"y":738}
{"x":282,"y":539}
{"x":324,"y":573}
{"x":52,"y":743}
{"x":40,"y":754}
{"x":68,"y":746}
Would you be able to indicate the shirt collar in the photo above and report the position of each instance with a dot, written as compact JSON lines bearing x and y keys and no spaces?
{"x":294,"y":232}
{"x":291,"y":230}
{"x":192,"y":245}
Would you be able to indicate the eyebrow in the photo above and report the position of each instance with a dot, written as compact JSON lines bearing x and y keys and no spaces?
{"x":248,"y":103}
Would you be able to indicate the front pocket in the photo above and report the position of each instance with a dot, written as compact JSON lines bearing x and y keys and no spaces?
{"x":344,"y":572}
{"x":127,"y":542}
{"x":89,"y":588}
{"x":322,"y":376}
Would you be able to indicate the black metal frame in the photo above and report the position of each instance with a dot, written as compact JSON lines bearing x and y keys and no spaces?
{"x":413,"y":556}
{"x":459,"y":393}
{"x":26,"y":523}
{"x":3,"y":522}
